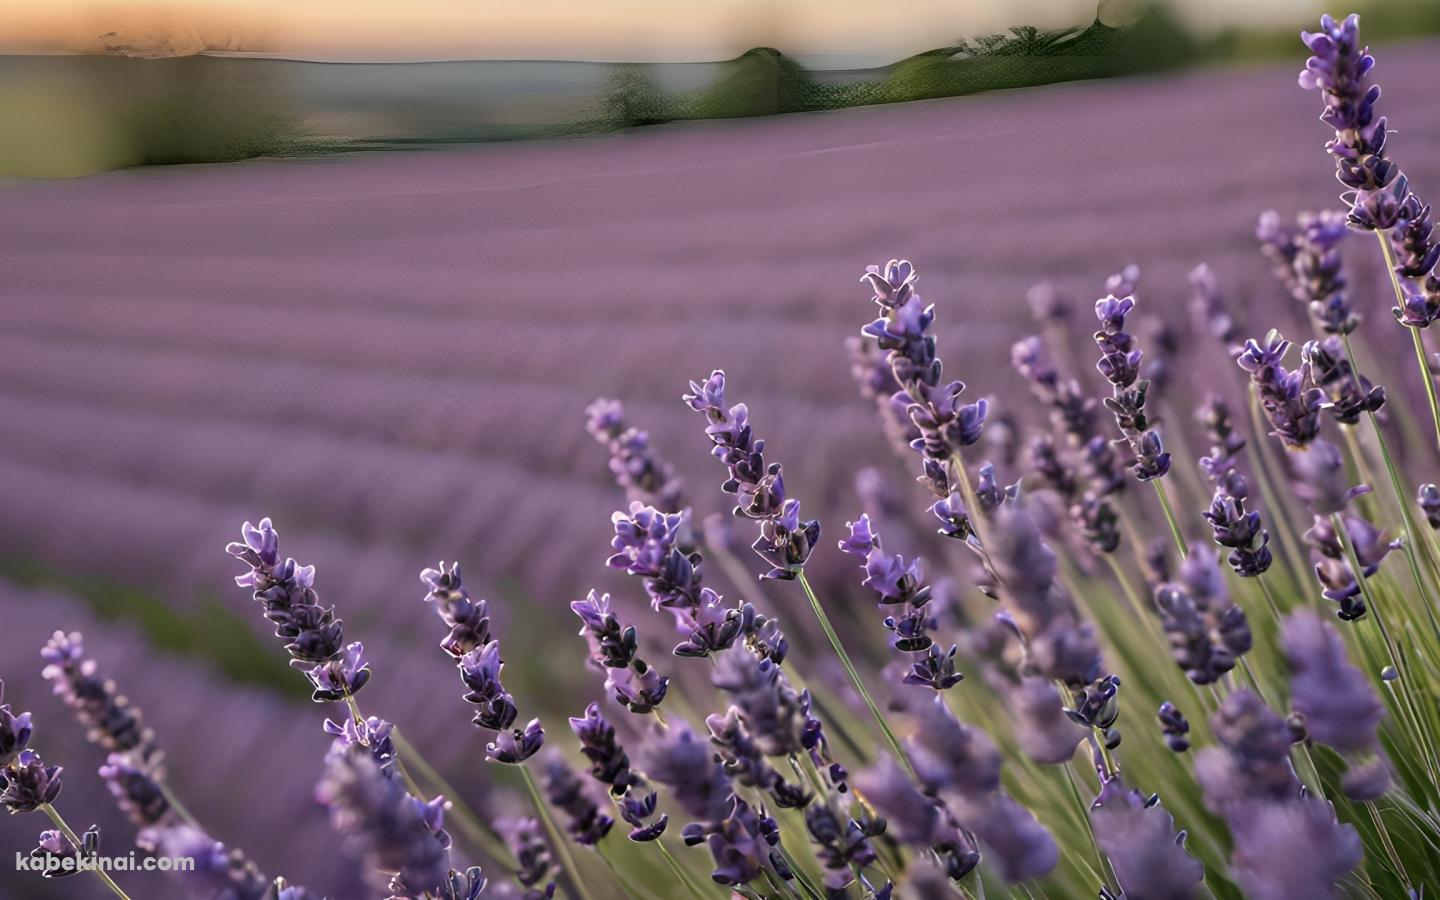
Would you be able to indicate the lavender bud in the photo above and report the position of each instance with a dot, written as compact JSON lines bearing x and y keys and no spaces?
{"x":28,"y":784}
{"x":136,"y":788}
{"x":645,"y":477}
{"x":1175,"y":726}
{"x":108,"y":717}
{"x":534,"y":863}
{"x":912,"y":817}
{"x":516,"y":745}
{"x":1292,"y":409}
{"x":1295,"y":849}
{"x":683,"y":762}
{"x":218,"y":871}
{"x":1428,"y":499}
{"x":15,"y":734}
{"x":55,"y":848}
{"x":468,"y":620}
{"x":1350,"y":395}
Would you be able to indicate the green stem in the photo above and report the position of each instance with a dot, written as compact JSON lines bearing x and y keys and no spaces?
{"x":900,"y":755}
{"x":1104,"y":861}
{"x":679,"y":870}
{"x":566,"y":860}
{"x":1390,"y":264}
{"x":1390,"y":848}
{"x":75,"y":840}
{"x":1175,"y":532}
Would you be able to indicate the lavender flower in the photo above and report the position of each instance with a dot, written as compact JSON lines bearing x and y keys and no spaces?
{"x":469,"y":620}
{"x":59,"y":856}
{"x":645,"y":477}
{"x":1339,"y":68}
{"x":775,"y":714}
{"x":842,"y":844}
{"x":900,"y":586}
{"x":872,"y":373}
{"x":109,"y":718}
{"x":567,"y":793}
{"x":27,"y":784}
{"x":945,"y":424}
{"x":1139,"y":838}
{"x":610,"y":765}
{"x":1207,"y":307}
{"x":1042,"y":729}
{"x":1332,"y":564}
{"x":1207,"y":632}
{"x":1337,"y":701}
{"x":399,"y":835}
{"x":1120,"y":364}
{"x":1295,"y":849}
{"x":1428,"y":498}
{"x":219,"y":872}
{"x":1234,"y":527}
{"x":744,"y":760}
{"x":1175,"y":727}
{"x":15,"y":734}
{"x":683,"y":762}
{"x":1292,"y":408}
{"x":1252,"y":763}
{"x":1350,"y":394}
{"x":1306,"y":260}
{"x":629,"y":679}
{"x":912,"y":818}
{"x":136,"y":787}
{"x":314,"y":636}
{"x":534,"y":863}
{"x":785,"y":541}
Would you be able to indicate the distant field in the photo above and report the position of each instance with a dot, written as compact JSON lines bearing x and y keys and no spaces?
{"x":390,"y":354}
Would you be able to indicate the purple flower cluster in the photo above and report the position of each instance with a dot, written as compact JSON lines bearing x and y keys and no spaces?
{"x":534,"y":866}
{"x":1237,"y":529}
{"x":480,"y":666}
{"x":1208,"y":309}
{"x":610,"y":766}
{"x":1349,"y":394}
{"x":945,"y":424}
{"x":1340,"y":707}
{"x":1287,"y":842}
{"x":901,"y":586}
{"x":785,"y":540}
{"x":1208,"y":632}
{"x":1289,"y":400}
{"x":613,"y":648}
{"x":1306,"y":261}
{"x":109,"y":718}
{"x":1139,"y":838}
{"x":314,"y":637}
{"x":642,"y":473}
{"x":1174,"y":726}
{"x":1119,"y":362}
{"x":586,"y":825}
{"x":1380,"y":198}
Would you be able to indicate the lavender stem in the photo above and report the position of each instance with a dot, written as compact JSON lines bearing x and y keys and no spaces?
{"x":75,"y":841}
{"x":1170,"y":517}
{"x":567,"y":861}
{"x":854,"y":675}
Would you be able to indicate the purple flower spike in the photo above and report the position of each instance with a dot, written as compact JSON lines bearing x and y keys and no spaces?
{"x":534,"y":863}
{"x":15,"y":734}
{"x":1120,"y":364}
{"x":219,"y":871}
{"x":1292,"y":408}
{"x":28,"y":784}
{"x":315,"y":638}
{"x":609,"y":763}
{"x":136,"y":789}
{"x":1175,"y":727}
{"x":1349,"y":395}
{"x":109,"y":718}
{"x":480,"y":670}
{"x":1139,"y":838}
{"x":785,"y":540}
{"x":55,"y":849}
{"x":396,"y":832}
{"x":1336,"y":699}
{"x":1332,"y":563}
{"x":567,"y":793}
{"x":468,"y":620}
{"x":374,"y":734}
{"x":645,"y":477}
{"x":944,"y":424}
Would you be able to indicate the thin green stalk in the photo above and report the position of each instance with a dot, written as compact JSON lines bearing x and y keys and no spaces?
{"x":567,"y":861}
{"x":1408,"y":704}
{"x":1175,"y":532}
{"x":900,"y":755}
{"x":1109,"y":874}
{"x":75,"y":840}
{"x":1390,"y":849}
{"x":627,"y":887}
{"x":474,"y":827}
{"x":679,"y":871}
{"x":1429,"y":382}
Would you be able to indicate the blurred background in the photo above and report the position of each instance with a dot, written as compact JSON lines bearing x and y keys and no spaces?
{"x":458,"y":224}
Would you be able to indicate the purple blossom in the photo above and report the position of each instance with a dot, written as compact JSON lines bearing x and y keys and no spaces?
{"x":399,"y":835}
{"x":373,"y":733}
{"x":15,"y":734}
{"x":642,"y":473}
{"x":1120,"y":360}
{"x":468,"y":620}
{"x":60,"y":857}
{"x":1042,"y":729}
{"x":1208,"y":309}
{"x":534,"y":862}
{"x":107,"y":715}
{"x":1175,"y":727}
{"x":1428,"y":499}
{"x":27,"y":783}
{"x":1295,"y":849}
{"x":945,"y":424}
{"x":314,"y":636}
{"x":1138,"y":836}
{"x":744,"y":760}
{"x":1339,"y":68}
{"x":1292,"y":407}
{"x":567,"y":793}
{"x":1349,"y":394}
{"x":1332,"y":563}
{"x":912,"y":818}
{"x":136,"y":788}
{"x":1336,"y":699}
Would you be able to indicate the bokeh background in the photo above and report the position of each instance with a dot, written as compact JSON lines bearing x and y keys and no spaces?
{"x":390,"y":352}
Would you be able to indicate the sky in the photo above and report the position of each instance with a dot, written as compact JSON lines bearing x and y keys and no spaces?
{"x":651,"y":30}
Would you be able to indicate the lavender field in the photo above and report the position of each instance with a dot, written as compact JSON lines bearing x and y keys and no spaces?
{"x":392,"y":356}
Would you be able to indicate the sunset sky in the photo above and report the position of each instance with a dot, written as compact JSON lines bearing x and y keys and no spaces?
{"x":570,"y":29}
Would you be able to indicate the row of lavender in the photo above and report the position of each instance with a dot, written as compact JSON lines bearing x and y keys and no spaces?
{"x":933,"y":804}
